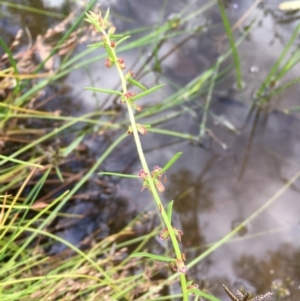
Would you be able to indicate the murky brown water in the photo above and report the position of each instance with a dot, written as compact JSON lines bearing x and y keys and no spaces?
{"x":216,"y":189}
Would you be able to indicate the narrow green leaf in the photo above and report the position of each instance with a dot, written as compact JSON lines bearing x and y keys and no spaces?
{"x":11,"y":60}
{"x":137,"y":84}
{"x":202,"y":294}
{"x":31,"y":9}
{"x":116,"y":36}
{"x":20,"y":162}
{"x":169,"y":210}
{"x":109,"y":52}
{"x":67,"y":150}
{"x":172,"y":161}
{"x":122,"y":40}
{"x":275,"y":67}
{"x":106,"y":16}
{"x":140,"y":95}
{"x":232,"y":44}
{"x":118,"y":175}
{"x":153,"y":256}
{"x":95,"y":45}
{"x":59,"y":174}
{"x":104,"y":90}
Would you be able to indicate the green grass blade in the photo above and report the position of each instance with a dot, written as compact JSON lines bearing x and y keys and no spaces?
{"x":104,"y":173}
{"x":169,"y":210}
{"x":172,"y":161}
{"x":208,"y":100}
{"x":67,"y":150}
{"x":202,"y":294}
{"x":137,"y":84}
{"x":231,"y":43}
{"x":20,"y":162}
{"x":33,"y":10}
{"x":59,"y":175}
{"x":147,"y":92}
{"x":122,"y":40}
{"x":274,"y":69}
{"x":107,"y":91}
{"x":153,"y":256}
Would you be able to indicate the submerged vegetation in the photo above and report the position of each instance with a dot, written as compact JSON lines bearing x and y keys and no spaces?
{"x":48,"y":164}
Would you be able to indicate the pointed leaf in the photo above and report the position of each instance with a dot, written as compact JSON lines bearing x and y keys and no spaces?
{"x":172,"y":161}
{"x":202,"y":294}
{"x":116,"y":36}
{"x":104,"y":90}
{"x":149,"y":91}
{"x":67,"y":150}
{"x":7,"y":158}
{"x":117,"y":174}
{"x":59,"y":175}
{"x":153,"y":256}
{"x":106,"y":16}
{"x":109,"y":52}
{"x":169,"y":210}
{"x":122,"y":40}
{"x":96,"y":45}
{"x":137,"y":84}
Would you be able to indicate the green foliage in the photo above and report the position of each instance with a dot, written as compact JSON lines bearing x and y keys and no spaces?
{"x":27,"y":272}
{"x":153,"y":256}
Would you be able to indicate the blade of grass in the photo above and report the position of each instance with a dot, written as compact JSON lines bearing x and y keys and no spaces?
{"x":231,"y":41}
{"x":274,"y":69}
{"x":32,"y":9}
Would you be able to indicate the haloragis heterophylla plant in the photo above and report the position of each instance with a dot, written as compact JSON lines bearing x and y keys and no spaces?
{"x":151,"y":180}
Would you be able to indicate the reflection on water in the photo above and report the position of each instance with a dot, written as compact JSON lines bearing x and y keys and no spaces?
{"x":215,"y":189}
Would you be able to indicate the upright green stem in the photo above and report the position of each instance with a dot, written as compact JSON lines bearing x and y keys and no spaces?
{"x":152,"y":185}
{"x":150,"y":181}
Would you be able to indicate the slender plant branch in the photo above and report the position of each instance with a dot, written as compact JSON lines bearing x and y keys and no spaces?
{"x":148,"y":178}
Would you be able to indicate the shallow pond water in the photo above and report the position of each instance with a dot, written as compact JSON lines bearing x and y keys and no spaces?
{"x":234,"y":173}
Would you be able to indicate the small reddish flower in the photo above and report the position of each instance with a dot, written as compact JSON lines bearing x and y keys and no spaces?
{"x":192,"y":286}
{"x":137,"y":107}
{"x":108,"y":62}
{"x":120,"y":60}
{"x":121,"y":63}
{"x":129,"y":95}
{"x":164,"y":234}
{"x":159,"y":185}
{"x":142,"y":174}
{"x":141,"y":129}
{"x":179,"y":266}
{"x":112,"y":44}
{"x":178,"y":233}
{"x":156,"y":172}
{"x":129,"y":74}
